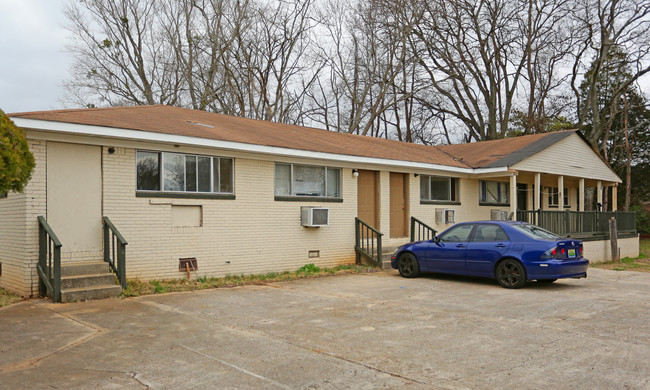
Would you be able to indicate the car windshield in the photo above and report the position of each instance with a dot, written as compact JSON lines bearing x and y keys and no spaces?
{"x":537,"y":232}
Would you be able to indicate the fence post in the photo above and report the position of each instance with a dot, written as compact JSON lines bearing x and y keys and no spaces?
{"x":613,"y":237}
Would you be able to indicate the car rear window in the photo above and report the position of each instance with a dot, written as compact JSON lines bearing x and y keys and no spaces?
{"x":536,"y":232}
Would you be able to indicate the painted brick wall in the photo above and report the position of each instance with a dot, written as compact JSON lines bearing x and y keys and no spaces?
{"x":19,"y":229}
{"x":251,"y":234}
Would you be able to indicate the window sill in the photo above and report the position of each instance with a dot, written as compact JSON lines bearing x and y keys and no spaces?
{"x":307,"y":199}
{"x":494,"y":204}
{"x":180,"y":195}
{"x":440,"y":202}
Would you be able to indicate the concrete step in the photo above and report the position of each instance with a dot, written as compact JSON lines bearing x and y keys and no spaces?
{"x":79,"y":281}
{"x":88,"y":293}
{"x":96,"y":267}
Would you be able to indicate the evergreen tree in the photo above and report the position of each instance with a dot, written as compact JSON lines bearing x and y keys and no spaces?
{"x":16,"y":161}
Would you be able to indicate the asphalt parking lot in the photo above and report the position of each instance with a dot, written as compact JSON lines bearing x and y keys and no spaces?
{"x":365,"y":331}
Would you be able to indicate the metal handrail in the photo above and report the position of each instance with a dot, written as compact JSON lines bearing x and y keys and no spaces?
{"x":367,"y":242}
{"x":115,"y":245}
{"x":49,"y":261}
{"x":570,"y":222}
{"x":424,"y":231}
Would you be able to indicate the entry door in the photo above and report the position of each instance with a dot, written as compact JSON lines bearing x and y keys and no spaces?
{"x":367,"y":198}
{"x":398,"y":196}
{"x":522,"y":196}
{"x":74,"y":198}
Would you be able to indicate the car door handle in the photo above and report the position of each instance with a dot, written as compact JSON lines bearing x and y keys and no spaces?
{"x":460,"y":246}
{"x":500,"y":246}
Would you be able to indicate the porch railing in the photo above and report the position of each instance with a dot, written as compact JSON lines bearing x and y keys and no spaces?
{"x":115,"y":251}
{"x":420,"y":231}
{"x":566,"y":223}
{"x":49,"y":261}
{"x":367,"y":242}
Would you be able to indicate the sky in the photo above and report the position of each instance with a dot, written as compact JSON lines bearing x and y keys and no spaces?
{"x":33,"y":63}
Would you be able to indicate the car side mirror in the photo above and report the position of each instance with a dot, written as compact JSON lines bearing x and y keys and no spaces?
{"x":436,"y":239}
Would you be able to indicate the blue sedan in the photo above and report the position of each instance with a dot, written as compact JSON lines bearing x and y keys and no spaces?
{"x":512,"y":252}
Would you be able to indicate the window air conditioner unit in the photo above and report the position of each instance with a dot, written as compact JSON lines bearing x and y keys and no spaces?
{"x":445,"y":216}
{"x":498,"y":215}
{"x":314,"y":216}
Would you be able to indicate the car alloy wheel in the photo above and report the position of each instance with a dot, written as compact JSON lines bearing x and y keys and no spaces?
{"x":511,"y":274}
{"x":408,"y":265}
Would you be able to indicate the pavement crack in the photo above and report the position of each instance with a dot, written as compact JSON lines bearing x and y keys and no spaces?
{"x":35,"y":361}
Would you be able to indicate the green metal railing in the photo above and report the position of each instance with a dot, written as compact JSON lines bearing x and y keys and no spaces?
{"x":367,"y":242}
{"x":115,"y":251}
{"x":49,"y":261}
{"x":567,"y":223}
{"x":420,"y":231}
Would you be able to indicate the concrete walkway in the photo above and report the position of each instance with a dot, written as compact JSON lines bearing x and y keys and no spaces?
{"x":348,"y":332}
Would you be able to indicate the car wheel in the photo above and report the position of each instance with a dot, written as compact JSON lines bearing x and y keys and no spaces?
{"x":408,"y":265}
{"x":511,"y":274}
{"x":546,"y":280}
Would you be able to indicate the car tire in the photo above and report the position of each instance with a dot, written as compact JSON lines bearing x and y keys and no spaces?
{"x":511,"y":274}
{"x":547,"y":281}
{"x":408,"y":265}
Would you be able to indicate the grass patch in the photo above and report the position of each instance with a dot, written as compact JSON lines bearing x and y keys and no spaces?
{"x":7,"y":298}
{"x":641,"y":263}
{"x":137,"y":287}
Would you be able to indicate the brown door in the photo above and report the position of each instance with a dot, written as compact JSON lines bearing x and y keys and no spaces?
{"x":367,"y":198}
{"x":398,"y":198}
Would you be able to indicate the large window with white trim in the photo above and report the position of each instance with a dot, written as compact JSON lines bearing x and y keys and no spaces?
{"x":307,"y":180}
{"x":178,"y":172}
{"x":438,"y":188}
{"x":494,"y":192}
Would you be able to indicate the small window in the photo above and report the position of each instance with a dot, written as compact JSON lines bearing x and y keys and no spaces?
{"x":177,"y":172}
{"x":494,"y":192}
{"x":438,"y":188}
{"x":307,"y":180}
{"x":554,"y":195}
{"x":459,"y":233}
{"x":489,"y":233}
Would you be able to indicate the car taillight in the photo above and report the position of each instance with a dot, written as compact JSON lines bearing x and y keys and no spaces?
{"x":550,"y":254}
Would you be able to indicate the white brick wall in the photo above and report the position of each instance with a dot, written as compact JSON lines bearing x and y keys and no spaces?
{"x":19,"y":229}
{"x":251,"y":234}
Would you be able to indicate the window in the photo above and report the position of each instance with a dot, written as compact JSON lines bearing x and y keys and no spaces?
{"x":307,"y":180}
{"x":438,"y":188}
{"x":553,"y":197}
{"x":459,"y":233}
{"x":489,"y":233}
{"x":176,"y":172}
{"x":494,"y":192}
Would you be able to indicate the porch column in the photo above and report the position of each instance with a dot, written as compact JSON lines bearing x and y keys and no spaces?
{"x":560,"y":193}
{"x":513,"y":196}
{"x":538,"y":192}
{"x":599,"y":194}
{"x":614,"y":197}
{"x":581,"y":195}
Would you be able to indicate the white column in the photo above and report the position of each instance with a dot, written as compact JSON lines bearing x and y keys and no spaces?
{"x":581,"y":195}
{"x":513,"y":195}
{"x":599,"y":193}
{"x":538,"y":191}
{"x":614,"y":197}
{"x":560,"y":192}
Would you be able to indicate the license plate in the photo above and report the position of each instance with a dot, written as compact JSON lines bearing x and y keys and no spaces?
{"x":572,"y":253}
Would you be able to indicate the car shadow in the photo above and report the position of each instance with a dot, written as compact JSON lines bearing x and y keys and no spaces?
{"x":557,"y":285}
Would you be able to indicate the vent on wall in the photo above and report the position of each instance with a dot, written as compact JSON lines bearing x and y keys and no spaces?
{"x":314,"y":216}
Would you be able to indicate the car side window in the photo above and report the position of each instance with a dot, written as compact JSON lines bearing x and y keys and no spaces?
{"x":457,"y":234}
{"x":489,"y":232}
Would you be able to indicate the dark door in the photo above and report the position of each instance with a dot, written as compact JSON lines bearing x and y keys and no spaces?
{"x":522,"y":196}
{"x":489,"y":243}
